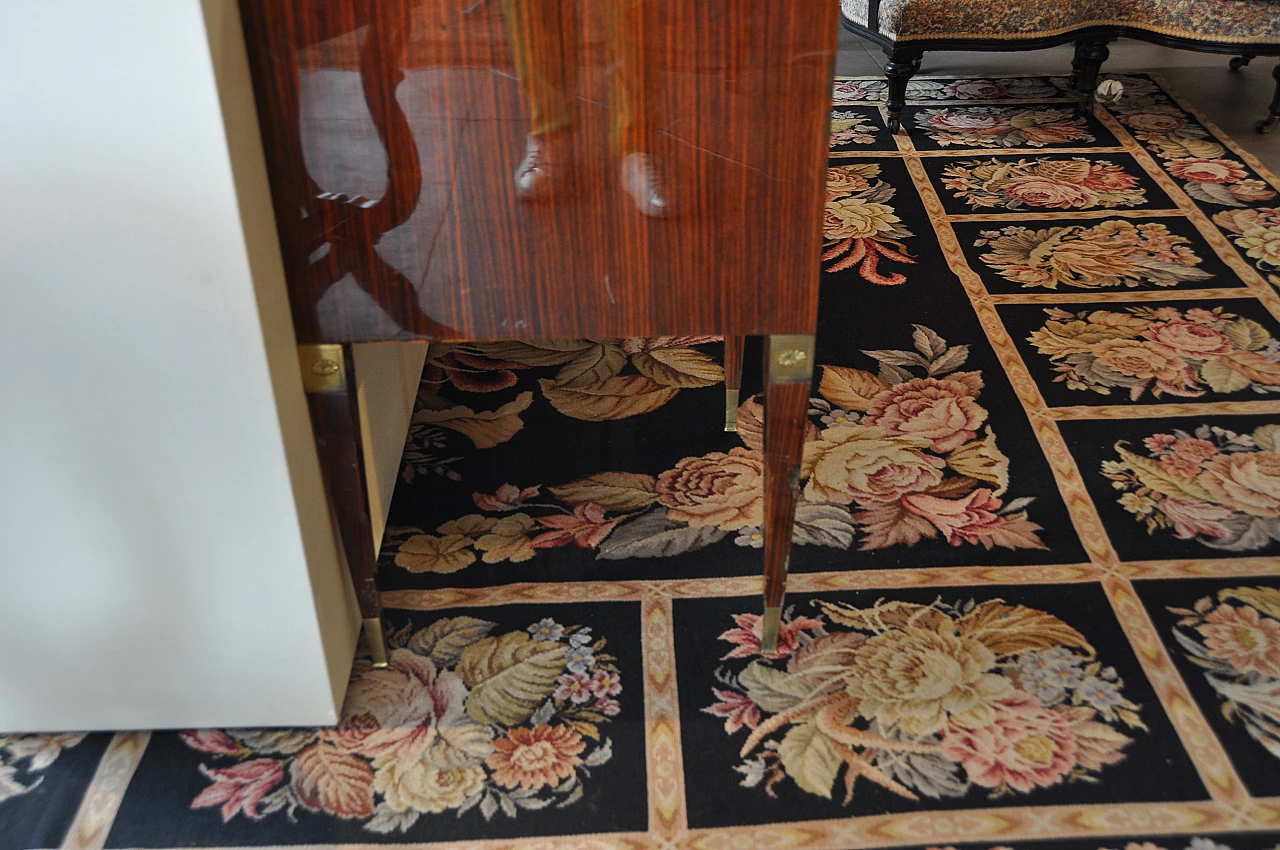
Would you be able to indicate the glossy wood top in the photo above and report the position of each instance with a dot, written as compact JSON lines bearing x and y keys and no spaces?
{"x":394,"y":129}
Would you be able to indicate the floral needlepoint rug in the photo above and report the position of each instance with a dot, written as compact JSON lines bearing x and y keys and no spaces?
{"x":1034,"y":596}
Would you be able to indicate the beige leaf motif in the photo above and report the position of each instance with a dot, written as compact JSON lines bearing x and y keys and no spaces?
{"x":1255,"y":367}
{"x":1265,"y":599}
{"x":1152,"y":475}
{"x":328,"y":779}
{"x":810,"y":758}
{"x":613,"y":491}
{"x":981,"y":459}
{"x":852,"y":389}
{"x":487,"y":428}
{"x":617,"y":398}
{"x":679,"y":367}
{"x":1247,"y":334}
{"x":1009,"y":629}
{"x":592,"y":365}
{"x":540,"y":353}
{"x":508,"y":540}
{"x":426,"y":553}
{"x":509,"y":676}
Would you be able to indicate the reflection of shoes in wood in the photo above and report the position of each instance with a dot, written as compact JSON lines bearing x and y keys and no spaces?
{"x":543,"y":161}
{"x":644,"y":181}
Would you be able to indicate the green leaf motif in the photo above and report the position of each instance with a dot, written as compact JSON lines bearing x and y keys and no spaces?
{"x":509,"y":676}
{"x":1221,"y":378}
{"x":444,"y":640}
{"x":810,"y":759}
{"x":1247,"y":334}
{"x":773,"y":690}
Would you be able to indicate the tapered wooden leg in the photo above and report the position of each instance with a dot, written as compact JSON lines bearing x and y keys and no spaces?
{"x":329,"y":378}
{"x":732,"y":379}
{"x":788,"y":362}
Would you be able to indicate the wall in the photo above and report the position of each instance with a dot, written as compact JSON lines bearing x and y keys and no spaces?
{"x":165,"y":551}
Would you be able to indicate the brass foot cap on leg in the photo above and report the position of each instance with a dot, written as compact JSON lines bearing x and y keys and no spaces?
{"x":731,"y":410}
{"x":376,"y":641}
{"x":769,"y":630}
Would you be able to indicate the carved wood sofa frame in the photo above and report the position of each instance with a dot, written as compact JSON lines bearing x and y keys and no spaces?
{"x":1091,"y":51}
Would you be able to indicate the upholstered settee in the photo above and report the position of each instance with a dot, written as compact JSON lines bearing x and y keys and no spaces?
{"x":906,"y":29}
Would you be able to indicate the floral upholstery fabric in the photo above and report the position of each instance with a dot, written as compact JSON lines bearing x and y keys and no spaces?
{"x":1242,"y":21}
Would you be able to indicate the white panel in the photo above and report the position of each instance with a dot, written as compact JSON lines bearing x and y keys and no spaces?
{"x":151,"y":551}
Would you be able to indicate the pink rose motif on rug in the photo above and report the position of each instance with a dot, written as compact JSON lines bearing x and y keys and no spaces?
{"x":1044,"y":183}
{"x":460,"y":720}
{"x":923,"y":701}
{"x":1211,"y":485}
{"x":1166,"y":350}
{"x":1002,"y":126}
{"x":1234,"y":637}
{"x":901,"y":457}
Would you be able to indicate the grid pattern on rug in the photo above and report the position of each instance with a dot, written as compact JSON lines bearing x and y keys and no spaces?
{"x":1035,"y":596}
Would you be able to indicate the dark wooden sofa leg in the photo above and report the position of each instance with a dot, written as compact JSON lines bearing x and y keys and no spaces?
{"x":1240,"y":61}
{"x":901,"y":67}
{"x":328,"y":376}
{"x":1266,"y":125}
{"x":1087,"y":62}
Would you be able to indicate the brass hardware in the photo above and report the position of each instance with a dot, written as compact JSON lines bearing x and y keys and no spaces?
{"x":376,"y":640}
{"x":769,"y":630}
{"x":731,"y":410}
{"x":324,"y":369}
{"x":790,"y":358}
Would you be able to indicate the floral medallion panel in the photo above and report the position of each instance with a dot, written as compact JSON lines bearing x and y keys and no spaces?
{"x":1094,"y":255}
{"x":1187,"y":487}
{"x":959,"y":125}
{"x":489,"y":723}
{"x":1148,"y":352}
{"x":1224,"y":638}
{"x":1190,"y":841}
{"x":1239,"y":200}
{"x":1044,"y":183}
{"x":42,"y":780}
{"x":946,"y":698}
{"x":890,"y":383}
{"x":874,"y":90}
{"x":855,"y":129}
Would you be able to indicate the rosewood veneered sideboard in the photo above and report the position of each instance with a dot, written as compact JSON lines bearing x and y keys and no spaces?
{"x":547,"y":169}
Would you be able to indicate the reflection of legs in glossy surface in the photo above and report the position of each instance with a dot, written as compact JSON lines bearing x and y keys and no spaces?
{"x":544,"y":46}
{"x":631,"y":93}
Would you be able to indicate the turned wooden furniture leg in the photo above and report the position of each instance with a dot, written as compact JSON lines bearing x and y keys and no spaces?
{"x":788,"y":362}
{"x":1087,"y":62}
{"x":329,"y":378}
{"x":901,"y":67}
{"x":732,"y":379}
{"x":1240,"y":61}
{"x":1266,"y":125}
